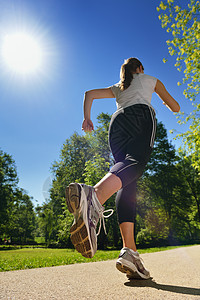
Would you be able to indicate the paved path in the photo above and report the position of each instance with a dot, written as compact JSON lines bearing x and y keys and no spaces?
{"x":176,"y":275}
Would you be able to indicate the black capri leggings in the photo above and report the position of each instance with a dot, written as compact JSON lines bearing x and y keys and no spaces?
{"x":131,"y":137}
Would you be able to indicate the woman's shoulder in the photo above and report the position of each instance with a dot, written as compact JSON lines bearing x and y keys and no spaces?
{"x":115,"y":88}
{"x":149,"y":80}
{"x":149,"y":76}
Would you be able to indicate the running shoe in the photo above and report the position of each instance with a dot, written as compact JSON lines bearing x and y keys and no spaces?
{"x":83,"y":203}
{"x":130,"y":262}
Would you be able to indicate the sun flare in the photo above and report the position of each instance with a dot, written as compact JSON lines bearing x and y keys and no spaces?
{"x":21,"y":53}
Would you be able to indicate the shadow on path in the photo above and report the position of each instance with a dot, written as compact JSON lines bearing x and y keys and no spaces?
{"x":164,"y":287}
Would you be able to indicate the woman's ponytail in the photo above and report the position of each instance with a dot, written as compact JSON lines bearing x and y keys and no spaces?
{"x":126,"y":76}
{"x":126,"y":73}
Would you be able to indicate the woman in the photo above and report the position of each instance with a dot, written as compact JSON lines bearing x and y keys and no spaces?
{"x":131,"y":138}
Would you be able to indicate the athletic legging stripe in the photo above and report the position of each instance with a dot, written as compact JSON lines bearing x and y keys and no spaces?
{"x":127,"y":167}
{"x":154,"y":126}
{"x":131,"y":137}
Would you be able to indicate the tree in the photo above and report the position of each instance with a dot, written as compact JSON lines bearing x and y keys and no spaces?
{"x":191,"y":138}
{"x":163,"y":196}
{"x":70,"y":168}
{"x":184,"y":25}
{"x":163,"y":152}
{"x":16,"y":208}
{"x":155,"y":191}
{"x":8,"y":185}
{"x":83,"y":159}
{"x":46,"y":221}
{"x":100,"y":138}
{"x":168,"y":197}
{"x":95,"y":169}
{"x":21,"y":223}
{"x":191,"y":179}
{"x":161,"y":193}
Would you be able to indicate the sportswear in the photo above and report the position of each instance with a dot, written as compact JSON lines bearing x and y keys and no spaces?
{"x":82,"y":201}
{"x":139,"y":92}
{"x":130,"y":262}
{"x":132,"y":133}
{"x":131,"y":137}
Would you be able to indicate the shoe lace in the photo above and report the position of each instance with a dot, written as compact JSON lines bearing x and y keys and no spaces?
{"x":102,"y":217}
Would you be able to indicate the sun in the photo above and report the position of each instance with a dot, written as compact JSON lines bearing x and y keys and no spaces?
{"x":21,"y":53}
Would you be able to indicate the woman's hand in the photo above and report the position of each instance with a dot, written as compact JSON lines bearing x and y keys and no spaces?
{"x":87,"y":125}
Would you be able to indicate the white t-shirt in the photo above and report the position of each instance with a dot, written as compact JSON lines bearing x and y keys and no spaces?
{"x":139,"y":92}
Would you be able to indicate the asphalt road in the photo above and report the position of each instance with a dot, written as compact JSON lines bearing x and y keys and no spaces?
{"x":175,"y":275}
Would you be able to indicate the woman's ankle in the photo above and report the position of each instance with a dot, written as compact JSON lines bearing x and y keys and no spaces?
{"x":98,"y":196}
{"x":132,"y":247}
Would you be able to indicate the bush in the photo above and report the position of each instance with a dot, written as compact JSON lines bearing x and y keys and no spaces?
{"x":145,"y":239}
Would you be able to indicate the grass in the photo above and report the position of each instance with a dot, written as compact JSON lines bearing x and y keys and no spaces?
{"x":28,"y":258}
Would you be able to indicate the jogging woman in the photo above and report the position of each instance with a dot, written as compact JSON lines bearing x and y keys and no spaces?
{"x":131,"y":137}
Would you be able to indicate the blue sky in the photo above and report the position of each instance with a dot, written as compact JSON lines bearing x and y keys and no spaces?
{"x":84,"y":44}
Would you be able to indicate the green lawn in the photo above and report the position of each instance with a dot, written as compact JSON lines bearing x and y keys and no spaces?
{"x":28,"y":258}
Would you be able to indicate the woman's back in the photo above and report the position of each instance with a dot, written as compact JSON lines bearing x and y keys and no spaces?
{"x":139,"y":91}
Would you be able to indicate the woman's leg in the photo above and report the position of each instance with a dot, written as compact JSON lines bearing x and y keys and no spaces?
{"x":131,"y":135}
{"x":107,"y":186}
{"x":122,"y":174}
{"x":126,"y":211}
{"x":127,"y":233}
{"x":125,"y":204}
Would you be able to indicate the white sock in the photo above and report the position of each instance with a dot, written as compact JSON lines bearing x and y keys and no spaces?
{"x":132,"y":251}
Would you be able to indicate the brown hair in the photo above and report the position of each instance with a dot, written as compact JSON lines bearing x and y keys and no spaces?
{"x":127,"y":69}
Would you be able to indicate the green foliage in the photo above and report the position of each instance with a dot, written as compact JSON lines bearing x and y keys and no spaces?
{"x":70,"y":168}
{"x":16,"y":209}
{"x":163,"y":151}
{"x":167,"y":190}
{"x":83,"y":159}
{"x":95,"y":170}
{"x":191,"y":138}
{"x":184,"y":25}
{"x":21,"y":219}
{"x":100,"y":136}
{"x":8,"y":184}
{"x":162,"y":190}
{"x":191,"y":181}
{"x":45,"y":222}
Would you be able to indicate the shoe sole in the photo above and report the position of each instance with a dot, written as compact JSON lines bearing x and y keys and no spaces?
{"x":132,"y":273}
{"x":79,"y":233}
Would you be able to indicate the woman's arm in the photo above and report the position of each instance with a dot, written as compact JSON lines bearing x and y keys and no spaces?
{"x":167,"y":99}
{"x":87,"y":104}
